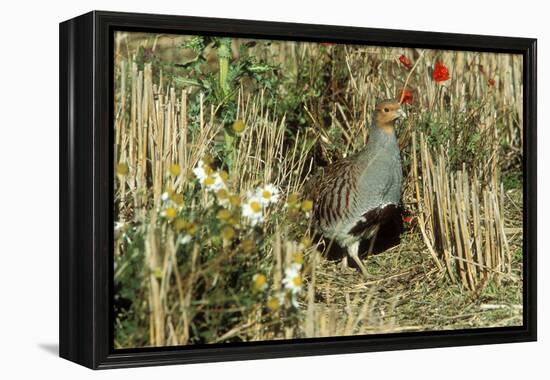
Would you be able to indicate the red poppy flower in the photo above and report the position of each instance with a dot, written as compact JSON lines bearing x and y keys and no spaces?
{"x":440,"y":73}
{"x":408,"y":219}
{"x":405,"y":61}
{"x":406,"y":97}
{"x":490,"y":82}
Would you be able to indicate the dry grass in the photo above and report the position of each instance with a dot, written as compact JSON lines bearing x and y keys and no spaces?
{"x":461,"y":223}
{"x":459,"y":267}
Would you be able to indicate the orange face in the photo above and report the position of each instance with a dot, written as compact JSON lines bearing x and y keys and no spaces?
{"x":387,"y":112}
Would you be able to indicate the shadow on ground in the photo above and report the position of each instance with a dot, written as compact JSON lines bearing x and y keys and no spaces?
{"x":52,"y":348}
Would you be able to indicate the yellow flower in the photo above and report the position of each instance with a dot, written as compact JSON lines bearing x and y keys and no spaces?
{"x":180,"y":224}
{"x":248,"y":245}
{"x":177,"y":198}
{"x":239,"y":126}
{"x":223,"y":215}
{"x":209,"y":181}
{"x":175,"y":170}
{"x":255,"y":206}
{"x":292,"y":200}
{"x":170,"y":213}
{"x":228,"y":233}
{"x":252,"y":210}
{"x":306,"y":242}
{"x":307,"y":205}
{"x":260,"y":282}
{"x":293,"y":279}
{"x":299,"y":258}
{"x":222,"y":194}
{"x":235,"y":200}
{"x":122,"y":168}
{"x":191,"y":228}
{"x":223,"y":174}
{"x":233,"y":221}
{"x":208,"y":170}
{"x":268,"y":194}
{"x":273,"y":303}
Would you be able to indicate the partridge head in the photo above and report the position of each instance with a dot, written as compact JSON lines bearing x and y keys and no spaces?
{"x":386,"y":113}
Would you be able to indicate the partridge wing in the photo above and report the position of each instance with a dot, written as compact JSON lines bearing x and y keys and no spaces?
{"x":334,"y":192}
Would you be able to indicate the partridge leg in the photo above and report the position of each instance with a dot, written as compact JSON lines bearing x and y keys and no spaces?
{"x":345,"y":263}
{"x":373,"y":239}
{"x":353,"y":252}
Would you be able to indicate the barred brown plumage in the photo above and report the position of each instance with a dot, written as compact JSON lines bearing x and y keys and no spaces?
{"x":354,"y":196}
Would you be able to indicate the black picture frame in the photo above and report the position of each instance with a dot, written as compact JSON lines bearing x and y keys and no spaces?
{"x":86,"y":188}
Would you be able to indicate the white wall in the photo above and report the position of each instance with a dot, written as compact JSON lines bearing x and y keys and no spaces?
{"x":29,"y":190}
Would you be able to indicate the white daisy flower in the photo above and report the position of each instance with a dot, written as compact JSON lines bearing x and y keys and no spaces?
{"x":260,"y":281}
{"x":252,"y":209}
{"x":209,"y":178}
{"x":268,"y":194}
{"x":165,"y":196}
{"x":200,"y":172}
{"x":185,"y":239}
{"x":293,"y":279}
{"x":214,"y":182}
{"x":224,"y":197}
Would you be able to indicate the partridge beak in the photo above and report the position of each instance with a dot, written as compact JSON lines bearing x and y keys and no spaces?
{"x":401,"y":114}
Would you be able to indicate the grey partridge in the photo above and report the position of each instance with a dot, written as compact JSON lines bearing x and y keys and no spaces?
{"x":353,"y":196}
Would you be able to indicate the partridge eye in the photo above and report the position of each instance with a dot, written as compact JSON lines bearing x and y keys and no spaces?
{"x":386,"y":109}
